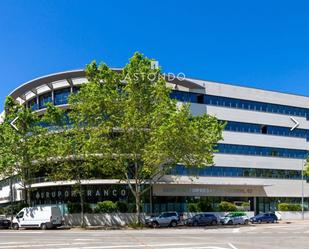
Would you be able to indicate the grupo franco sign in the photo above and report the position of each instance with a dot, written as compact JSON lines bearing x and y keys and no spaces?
{"x":90,"y":192}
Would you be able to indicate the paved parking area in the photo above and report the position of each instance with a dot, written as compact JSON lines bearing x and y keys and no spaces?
{"x":265,"y":236}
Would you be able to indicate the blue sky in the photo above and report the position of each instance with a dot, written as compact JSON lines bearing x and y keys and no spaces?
{"x":253,"y":43}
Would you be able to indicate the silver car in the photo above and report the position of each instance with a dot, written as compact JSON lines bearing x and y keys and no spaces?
{"x":235,"y":219}
{"x":164,"y":219}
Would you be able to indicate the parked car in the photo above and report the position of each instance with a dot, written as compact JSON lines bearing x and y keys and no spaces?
{"x":5,"y":223}
{"x":202,"y":219}
{"x":164,"y":220}
{"x":267,"y":217}
{"x":38,"y":217}
{"x":235,"y":218}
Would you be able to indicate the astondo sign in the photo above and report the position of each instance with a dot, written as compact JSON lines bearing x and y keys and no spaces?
{"x":93,"y":193}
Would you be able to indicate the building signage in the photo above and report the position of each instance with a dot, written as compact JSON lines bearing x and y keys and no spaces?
{"x":202,"y":190}
{"x":91,"y":193}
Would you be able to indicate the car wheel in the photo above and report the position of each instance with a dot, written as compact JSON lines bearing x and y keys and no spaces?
{"x":155,"y":224}
{"x":213,"y":223}
{"x":15,"y":226}
{"x":194,"y":223}
{"x":173,"y":223}
{"x":43,"y":226}
{"x":246,"y":222}
{"x":230,"y":222}
{"x":259,"y":221}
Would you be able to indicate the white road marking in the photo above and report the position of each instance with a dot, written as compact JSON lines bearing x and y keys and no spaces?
{"x":232,"y":246}
{"x":24,"y":245}
{"x":20,"y":232}
{"x":85,"y":239}
{"x":236,"y":230}
{"x":135,"y":246}
{"x":86,"y":245}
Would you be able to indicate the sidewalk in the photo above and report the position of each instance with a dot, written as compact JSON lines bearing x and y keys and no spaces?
{"x":302,"y":222}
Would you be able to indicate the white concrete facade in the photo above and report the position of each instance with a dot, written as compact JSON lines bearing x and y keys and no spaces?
{"x":261,"y":187}
{"x":276,"y":187}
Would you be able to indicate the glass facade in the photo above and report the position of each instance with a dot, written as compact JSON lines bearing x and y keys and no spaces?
{"x":32,"y":104}
{"x":239,"y":103}
{"x":266,"y":129}
{"x":61,"y":96}
{"x":44,"y":99}
{"x":236,"y":172}
{"x":211,"y":203}
{"x":260,"y":151}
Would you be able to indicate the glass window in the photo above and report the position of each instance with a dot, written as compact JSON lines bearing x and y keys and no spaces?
{"x":44,"y":99}
{"x":32,"y":104}
{"x":238,"y":103}
{"x":215,"y":171}
{"x":61,"y":96}
{"x":20,"y":215}
{"x":273,"y":130}
{"x":261,"y":151}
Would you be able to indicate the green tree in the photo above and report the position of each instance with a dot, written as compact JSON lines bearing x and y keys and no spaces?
{"x":67,"y":145}
{"x":136,"y":129}
{"x":21,"y":149}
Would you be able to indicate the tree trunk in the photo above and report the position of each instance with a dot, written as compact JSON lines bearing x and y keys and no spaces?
{"x":137,"y":195}
{"x":11,"y":200}
{"x":138,"y":205}
{"x":82,"y":214}
{"x":29,"y":196}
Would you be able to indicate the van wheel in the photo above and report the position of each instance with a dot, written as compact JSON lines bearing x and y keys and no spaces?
{"x":246,"y":222}
{"x":15,"y":226}
{"x":43,"y":226}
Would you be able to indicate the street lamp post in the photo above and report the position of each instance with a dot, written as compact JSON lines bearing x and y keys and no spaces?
{"x":302,"y":190}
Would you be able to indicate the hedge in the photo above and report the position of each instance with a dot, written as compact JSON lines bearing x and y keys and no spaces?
{"x":74,"y":208}
{"x":193,"y":207}
{"x":289,"y":207}
{"x":226,"y":206}
{"x":106,"y":207}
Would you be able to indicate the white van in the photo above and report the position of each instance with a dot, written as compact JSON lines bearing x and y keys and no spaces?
{"x":38,"y":217}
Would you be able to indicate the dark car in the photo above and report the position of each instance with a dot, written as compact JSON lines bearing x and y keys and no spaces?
{"x":5,"y":223}
{"x":202,"y":220}
{"x":267,"y":217}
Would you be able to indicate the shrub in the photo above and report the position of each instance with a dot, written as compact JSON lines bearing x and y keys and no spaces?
{"x":226,"y":206}
{"x":106,"y":207}
{"x":15,"y":208}
{"x":136,"y":225}
{"x":75,"y":208}
{"x":205,"y":206}
{"x":245,"y":204}
{"x":193,"y":207}
{"x":122,"y":206}
{"x":289,"y":207}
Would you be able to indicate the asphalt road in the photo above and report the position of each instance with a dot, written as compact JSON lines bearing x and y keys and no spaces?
{"x":265,"y":236}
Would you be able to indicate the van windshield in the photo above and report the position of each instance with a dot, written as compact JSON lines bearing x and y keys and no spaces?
{"x":20,"y":215}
